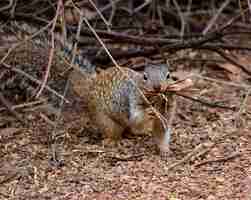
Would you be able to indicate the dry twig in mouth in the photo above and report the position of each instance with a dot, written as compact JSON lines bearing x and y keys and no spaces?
{"x":179,"y":89}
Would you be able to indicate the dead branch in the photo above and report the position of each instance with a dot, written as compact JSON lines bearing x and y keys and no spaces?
{"x":224,"y":159}
{"x":206,"y":102}
{"x":58,"y":12}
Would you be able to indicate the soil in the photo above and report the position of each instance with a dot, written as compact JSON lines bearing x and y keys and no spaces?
{"x":209,"y":156}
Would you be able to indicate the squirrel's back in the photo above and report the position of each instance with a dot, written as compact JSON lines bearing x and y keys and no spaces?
{"x":112,"y":91}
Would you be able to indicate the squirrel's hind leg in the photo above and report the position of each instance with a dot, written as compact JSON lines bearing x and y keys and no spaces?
{"x":112,"y":131}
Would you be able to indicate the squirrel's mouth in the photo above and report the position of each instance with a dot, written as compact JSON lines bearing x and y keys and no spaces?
{"x":153,"y":89}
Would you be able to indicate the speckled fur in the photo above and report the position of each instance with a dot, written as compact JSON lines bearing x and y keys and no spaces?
{"x":115,"y":103}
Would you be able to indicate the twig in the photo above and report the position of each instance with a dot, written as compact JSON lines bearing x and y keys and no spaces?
{"x":100,"y":13}
{"x":242,"y":86}
{"x":111,"y":15}
{"x":230,"y":22}
{"x":122,"y":37}
{"x":237,"y":115}
{"x":9,"y":177}
{"x":47,"y":120}
{"x":191,"y":42}
{"x":52,"y":140}
{"x":249,"y":5}
{"x":224,"y":159}
{"x":7,"y":104}
{"x":104,"y":9}
{"x":59,"y":9}
{"x":232,"y":61}
{"x":244,"y":103}
{"x":23,"y":105}
{"x":187,"y":157}
{"x":207,"y":103}
{"x":25,"y":40}
{"x":13,"y":9}
{"x":7,"y":6}
{"x":188,"y":10}
{"x":198,"y":43}
{"x":77,"y":37}
{"x":142,"y":6}
{"x":127,"y":158}
{"x":34,"y":80}
{"x":182,"y":19}
{"x":215,"y":17}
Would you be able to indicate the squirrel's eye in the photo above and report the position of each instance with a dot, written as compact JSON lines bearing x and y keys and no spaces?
{"x":145,"y":77}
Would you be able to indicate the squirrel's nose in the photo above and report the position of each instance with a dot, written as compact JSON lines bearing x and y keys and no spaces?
{"x":157,"y":87}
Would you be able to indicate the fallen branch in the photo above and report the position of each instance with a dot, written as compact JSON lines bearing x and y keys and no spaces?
{"x":224,"y":159}
{"x":23,"y":105}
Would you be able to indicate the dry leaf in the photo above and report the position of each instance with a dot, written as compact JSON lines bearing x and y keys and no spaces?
{"x":178,"y":86}
{"x":245,"y":61}
{"x":230,"y":68}
{"x":234,"y":72}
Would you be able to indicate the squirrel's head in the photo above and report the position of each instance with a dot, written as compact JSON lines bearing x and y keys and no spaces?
{"x":155,"y":76}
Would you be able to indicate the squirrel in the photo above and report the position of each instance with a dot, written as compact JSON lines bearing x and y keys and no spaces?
{"x":113,"y":96}
{"x":115,"y":103}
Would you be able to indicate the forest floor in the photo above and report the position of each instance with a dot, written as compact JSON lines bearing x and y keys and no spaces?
{"x":209,"y":158}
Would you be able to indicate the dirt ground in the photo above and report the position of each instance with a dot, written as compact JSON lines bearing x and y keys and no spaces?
{"x":209,"y":157}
